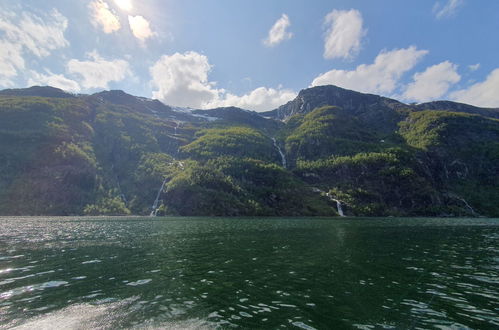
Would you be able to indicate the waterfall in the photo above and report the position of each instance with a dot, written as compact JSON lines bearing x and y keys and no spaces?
{"x":178,"y":124}
{"x":338,"y":205}
{"x":154,"y":207}
{"x":468,"y":206}
{"x":175,"y":128}
{"x":340,"y":209}
{"x":283,"y":157}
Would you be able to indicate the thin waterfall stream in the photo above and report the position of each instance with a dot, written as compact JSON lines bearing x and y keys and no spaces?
{"x":339,"y":206}
{"x":154,"y":207}
{"x":468,"y":206}
{"x":283,"y":157}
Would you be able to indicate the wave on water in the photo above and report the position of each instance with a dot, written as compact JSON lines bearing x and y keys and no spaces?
{"x":103,"y":316}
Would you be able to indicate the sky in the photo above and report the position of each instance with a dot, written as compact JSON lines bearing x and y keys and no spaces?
{"x":254,"y":54}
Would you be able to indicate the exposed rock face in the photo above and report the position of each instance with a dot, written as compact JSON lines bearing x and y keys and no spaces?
{"x":379,"y":111}
{"x":311,"y":98}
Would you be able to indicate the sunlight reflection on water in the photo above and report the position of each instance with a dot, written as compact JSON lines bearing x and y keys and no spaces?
{"x":198,"y":273}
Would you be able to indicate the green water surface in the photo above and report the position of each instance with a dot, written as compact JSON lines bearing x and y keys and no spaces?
{"x":323,"y":273}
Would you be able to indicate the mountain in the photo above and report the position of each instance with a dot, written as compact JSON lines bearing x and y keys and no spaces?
{"x":43,"y":91}
{"x":457,"y":107}
{"x":363,"y":104}
{"x":312,"y":98}
{"x":111,"y":152}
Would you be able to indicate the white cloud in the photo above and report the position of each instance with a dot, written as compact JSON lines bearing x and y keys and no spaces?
{"x":259,"y":99}
{"x":38,"y":35}
{"x":433,"y":83}
{"x":483,"y":94}
{"x":28,"y":33}
{"x":124,"y":4}
{"x":104,"y":17}
{"x":98,"y":72}
{"x":474,"y":67}
{"x":278,"y":33}
{"x":11,"y":60}
{"x":182,"y":80}
{"x":140,"y":27}
{"x":447,"y":10}
{"x":380,"y":77}
{"x":54,"y":80}
{"x":343,"y":34}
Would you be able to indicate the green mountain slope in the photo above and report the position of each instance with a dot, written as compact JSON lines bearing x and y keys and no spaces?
{"x":110,"y":152}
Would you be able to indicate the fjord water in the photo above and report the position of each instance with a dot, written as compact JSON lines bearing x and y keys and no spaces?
{"x":252,"y":273}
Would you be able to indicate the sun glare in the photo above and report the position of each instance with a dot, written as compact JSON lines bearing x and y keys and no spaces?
{"x":124,"y":4}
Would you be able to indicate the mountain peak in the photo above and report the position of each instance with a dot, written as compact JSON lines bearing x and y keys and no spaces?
{"x":315,"y":97}
{"x":42,"y":91}
{"x":116,"y":96}
{"x":378,"y":110}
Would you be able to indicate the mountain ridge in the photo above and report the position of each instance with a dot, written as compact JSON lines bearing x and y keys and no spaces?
{"x":109,"y":152}
{"x":314,"y":97}
{"x":321,"y":95}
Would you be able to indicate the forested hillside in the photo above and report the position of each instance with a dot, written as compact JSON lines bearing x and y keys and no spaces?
{"x":110,"y":152}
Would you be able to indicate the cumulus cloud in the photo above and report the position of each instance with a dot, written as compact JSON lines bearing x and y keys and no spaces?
{"x":98,"y":72}
{"x":482,"y":94}
{"x":28,"y":34}
{"x":259,"y":99}
{"x":448,"y":9}
{"x":381,"y":77}
{"x":140,"y":27}
{"x":54,"y":80}
{"x":343,"y":34}
{"x":182,"y":80}
{"x":103,"y":17}
{"x":433,"y":83}
{"x":279,"y":32}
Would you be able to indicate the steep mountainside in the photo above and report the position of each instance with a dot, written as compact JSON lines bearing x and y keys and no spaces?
{"x":367,"y":105}
{"x":110,"y":153}
{"x":311,"y":98}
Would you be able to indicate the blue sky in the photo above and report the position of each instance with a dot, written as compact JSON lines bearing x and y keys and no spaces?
{"x":254,"y":54}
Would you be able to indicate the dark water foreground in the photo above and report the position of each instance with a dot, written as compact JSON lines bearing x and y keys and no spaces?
{"x":200,"y":273}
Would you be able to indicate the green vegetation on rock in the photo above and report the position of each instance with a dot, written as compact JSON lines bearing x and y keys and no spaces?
{"x":110,"y":152}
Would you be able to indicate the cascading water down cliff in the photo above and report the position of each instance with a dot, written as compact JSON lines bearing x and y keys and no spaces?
{"x":283,"y":157}
{"x":154,"y":207}
{"x":340,"y":208}
{"x":338,"y":205}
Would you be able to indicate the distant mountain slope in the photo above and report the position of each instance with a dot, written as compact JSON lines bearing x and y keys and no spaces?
{"x":316,"y":97}
{"x":361,"y":104}
{"x":110,"y":152}
{"x":237,"y":116}
{"x":42,"y":91}
{"x":458,"y":107}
